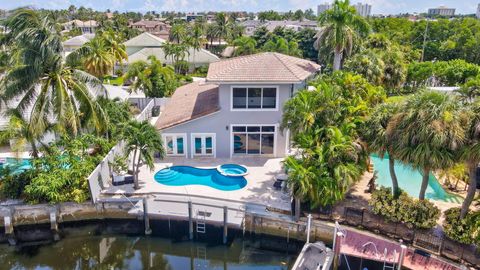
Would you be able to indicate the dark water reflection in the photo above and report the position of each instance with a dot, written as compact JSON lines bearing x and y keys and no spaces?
{"x":85,"y":250}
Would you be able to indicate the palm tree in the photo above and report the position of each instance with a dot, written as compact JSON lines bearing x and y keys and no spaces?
{"x":244,"y":46}
{"x":471,"y":155}
{"x":115,"y":46}
{"x":222,"y":26}
{"x":96,"y":57}
{"x":196,"y":39}
{"x":18,"y":129}
{"x":368,"y":64}
{"x":378,"y":139}
{"x":178,"y":32}
{"x":43,"y":81}
{"x":154,"y":79}
{"x":143,"y":141}
{"x":211,"y":33}
{"x":340,"y":25}
{"x":427,"y":132}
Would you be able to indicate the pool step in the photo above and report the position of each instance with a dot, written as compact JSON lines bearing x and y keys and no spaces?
{"x":166,"y":175}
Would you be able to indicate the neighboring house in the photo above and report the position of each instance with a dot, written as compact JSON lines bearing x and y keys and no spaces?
{"x":76,"y":42}
{"x":157,"y":28}
{"x":237,"y":111}
{"x":87,"y":27}
{"x":142,"y":41}
{"x":146,"y":44}
{"x":252,"y":25}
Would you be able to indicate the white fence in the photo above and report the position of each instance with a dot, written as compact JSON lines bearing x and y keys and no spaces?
{"x":100,"y":178}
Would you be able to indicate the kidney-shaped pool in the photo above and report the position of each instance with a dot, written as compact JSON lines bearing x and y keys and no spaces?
{"x":186,"y":175}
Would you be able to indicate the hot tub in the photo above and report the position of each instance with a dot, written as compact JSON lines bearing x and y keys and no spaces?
{"x":232,"y":170}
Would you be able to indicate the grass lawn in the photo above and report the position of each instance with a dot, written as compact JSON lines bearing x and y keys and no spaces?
{"x":113,"y":81}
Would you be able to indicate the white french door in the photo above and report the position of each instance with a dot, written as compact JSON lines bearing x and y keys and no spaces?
{"x":175,"y":144}
{"x":203,"y":144}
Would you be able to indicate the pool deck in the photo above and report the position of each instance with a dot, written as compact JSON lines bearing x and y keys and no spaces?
{"x":259,"y":188}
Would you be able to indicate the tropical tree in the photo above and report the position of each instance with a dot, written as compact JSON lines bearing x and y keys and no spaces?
{"x":244,"y":46}
{"x":471,"y":154}
{"x":369,"y":64}
{"x":222,"y":25}
{"x":196,"y":38}
{"x":470,"y":90}
{"x":178,"y":32}
{"x":96,"y":58}
{"x":142,"y":141}
{"x":43,"y":82}
{"x":378,"y":139}
{"x":427,"y":132}
{"x":340,"y":26}
{"x":154,"y":79}
{"x":115,"y":46}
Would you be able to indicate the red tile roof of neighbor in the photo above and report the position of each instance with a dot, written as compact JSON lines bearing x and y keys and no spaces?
{"x":262,"y":67}
{"x":189,"y":102}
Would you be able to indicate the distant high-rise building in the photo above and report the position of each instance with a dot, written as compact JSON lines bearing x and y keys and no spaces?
{"x":323,"y":7}
{"x":362,"y":9}
{"x":478,"y":11}
{"x":442,"y":11}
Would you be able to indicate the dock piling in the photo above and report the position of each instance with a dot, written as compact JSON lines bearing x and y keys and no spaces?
{"x":146,"y":219}
{"x":190,"y":220}
{"x":402,"y":256}
{"x":225,"y":224}
{"x":309,"y":225}
{"x":336,"y":250}
{"x":54,"y":224}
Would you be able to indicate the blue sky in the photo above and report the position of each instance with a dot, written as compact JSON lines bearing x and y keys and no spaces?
{"x":379,"y":6}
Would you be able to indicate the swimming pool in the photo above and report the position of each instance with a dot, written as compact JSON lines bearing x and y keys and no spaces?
{"x":186,"y":175}
{"x":17,"y":165}
{"x":410,"y":180}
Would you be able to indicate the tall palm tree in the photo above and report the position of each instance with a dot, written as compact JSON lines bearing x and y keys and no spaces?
{"x":378,"y":139}
{"x":142,"y":141}
{"x":211,"y":33}
{"x":196,"y":38}
{"x":471,"y":155}
{"x":96,"y":57}
{"x":115,"y":45}
{"x":340,"y":25}
{"x":43,"y":81}
{"x":222,"y":26}
{"x":154,"y":79}
{"x":427,"y":132}
{"x":178,"y":33}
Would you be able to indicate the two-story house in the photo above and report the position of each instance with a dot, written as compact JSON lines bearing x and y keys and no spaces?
{"x":237,"y":111}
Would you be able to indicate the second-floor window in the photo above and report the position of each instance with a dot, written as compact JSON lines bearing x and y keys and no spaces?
{"x":254,"y":98}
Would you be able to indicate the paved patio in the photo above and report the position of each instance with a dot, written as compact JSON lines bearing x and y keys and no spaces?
{"x":259,"y":188}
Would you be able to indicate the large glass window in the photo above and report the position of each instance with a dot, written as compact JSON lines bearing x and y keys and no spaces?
{"x":254,"y":98}
{"x":253,"y":140}
{"x":203,"y":144}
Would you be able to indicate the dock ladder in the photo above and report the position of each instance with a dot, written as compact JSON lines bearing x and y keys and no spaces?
{"x":202,"y":255}
{"x":386,"y":264}
{"x":200,"y":218}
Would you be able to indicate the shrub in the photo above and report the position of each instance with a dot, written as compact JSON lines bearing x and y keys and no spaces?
{"x":415,"y":213}
{"x":12,"y":184}
{"x":465,"y":230}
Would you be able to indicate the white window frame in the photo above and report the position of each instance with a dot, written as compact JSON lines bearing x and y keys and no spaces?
{"x":203,"y":136}
{"x":261,"y":102}
{"x":275,"y":133}
{"x":176,"y":135}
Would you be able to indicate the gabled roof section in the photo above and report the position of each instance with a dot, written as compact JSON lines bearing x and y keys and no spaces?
{"x":78,"y":40}
{"x":188,"y":103}
{"x":201,"y":56}
{"x":262,"y":67}
{"x":145,"y":40}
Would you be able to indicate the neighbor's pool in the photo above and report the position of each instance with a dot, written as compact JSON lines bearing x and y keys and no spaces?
{"x":17,"y":165}
{"x":186,"y":175}
{"x":410,"y":180}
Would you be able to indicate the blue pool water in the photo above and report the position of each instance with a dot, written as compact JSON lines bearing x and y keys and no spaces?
{"x":410,"y":180}
{"x":17,"y":165}
{"x":186,"y":175}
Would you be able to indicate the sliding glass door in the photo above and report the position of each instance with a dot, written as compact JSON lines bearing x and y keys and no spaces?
{"x":253,"y":140}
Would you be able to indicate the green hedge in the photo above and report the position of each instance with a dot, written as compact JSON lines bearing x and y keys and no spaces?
{"x":414,"y":213}
{"x":465,"y":230}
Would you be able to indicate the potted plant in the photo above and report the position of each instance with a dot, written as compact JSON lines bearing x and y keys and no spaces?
{"x":119,"y":169}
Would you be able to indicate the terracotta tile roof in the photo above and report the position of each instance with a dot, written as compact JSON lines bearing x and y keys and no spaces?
{"x":189,"y":102}
{"x":262,"y":67}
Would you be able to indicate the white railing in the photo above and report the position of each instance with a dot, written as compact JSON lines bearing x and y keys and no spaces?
{"x":100,"y":178}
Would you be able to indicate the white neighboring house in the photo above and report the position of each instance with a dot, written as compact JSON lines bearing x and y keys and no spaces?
{"x":146,"y":44}
{"x":74,"y":43}
{"x":89,"y":26}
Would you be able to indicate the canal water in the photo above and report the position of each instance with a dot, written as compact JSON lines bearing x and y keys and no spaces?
{"x":100,"y":247}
